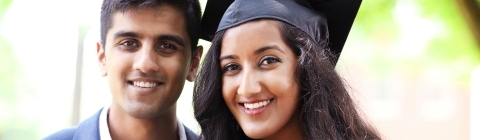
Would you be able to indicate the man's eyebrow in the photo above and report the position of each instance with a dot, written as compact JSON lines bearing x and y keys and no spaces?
{"x":125,"y":34}
{"x":228,"y":57}
{"x":265,"y":48}
{"x":177,"y":39}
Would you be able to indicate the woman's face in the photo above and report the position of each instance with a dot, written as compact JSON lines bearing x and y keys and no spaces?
{"x":259,"y":85}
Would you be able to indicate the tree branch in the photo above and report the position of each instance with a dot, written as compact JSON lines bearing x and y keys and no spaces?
{"x":471,"y":12}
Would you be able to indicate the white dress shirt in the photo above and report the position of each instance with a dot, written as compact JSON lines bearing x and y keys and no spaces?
{"x":105,"y":133}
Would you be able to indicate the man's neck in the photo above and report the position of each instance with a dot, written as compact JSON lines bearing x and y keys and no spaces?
{"x":123,"y":126}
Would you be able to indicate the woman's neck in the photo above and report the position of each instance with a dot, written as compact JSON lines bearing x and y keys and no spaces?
{"x":291,"y":131}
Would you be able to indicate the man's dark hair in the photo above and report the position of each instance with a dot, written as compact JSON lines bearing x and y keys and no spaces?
{"x":325,"y":109}
{"x":189,"y":8}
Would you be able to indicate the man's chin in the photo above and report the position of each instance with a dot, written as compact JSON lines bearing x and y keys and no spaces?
{"x":142,"y":110}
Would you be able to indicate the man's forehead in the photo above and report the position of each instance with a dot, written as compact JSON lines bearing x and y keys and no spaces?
{"x":154,"y":17}
{"x":155,"y":21}
{"x":158,"y":10}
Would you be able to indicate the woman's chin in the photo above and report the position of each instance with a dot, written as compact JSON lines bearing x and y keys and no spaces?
{"x":256,"y":133}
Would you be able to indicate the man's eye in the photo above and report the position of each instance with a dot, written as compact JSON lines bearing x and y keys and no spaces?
{"x":129,"y":44}
{"x":269,"y":60}
{"x":166,"y":48}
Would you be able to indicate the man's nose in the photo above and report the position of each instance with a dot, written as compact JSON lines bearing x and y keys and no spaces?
{"x":146,"y":60}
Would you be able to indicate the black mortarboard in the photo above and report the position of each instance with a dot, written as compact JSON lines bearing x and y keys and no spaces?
{"x":311,"y":16}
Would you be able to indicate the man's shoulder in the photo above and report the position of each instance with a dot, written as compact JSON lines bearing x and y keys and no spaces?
{"x":87,"y":129}
{"x":190,"y":134}
{"x":65,"y":134}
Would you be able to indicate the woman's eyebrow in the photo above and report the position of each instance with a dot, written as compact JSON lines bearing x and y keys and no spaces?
{"x":228,"y":57}
{"x":265,"y":48}
{"x":258,"y":51}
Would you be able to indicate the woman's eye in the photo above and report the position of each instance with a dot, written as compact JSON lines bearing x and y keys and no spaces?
{"x":166,"y":48}
{"x":269,"y":60}
{"x":231,"y":67}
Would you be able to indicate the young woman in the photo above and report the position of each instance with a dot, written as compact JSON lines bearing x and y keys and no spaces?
{"x":267,"y":76}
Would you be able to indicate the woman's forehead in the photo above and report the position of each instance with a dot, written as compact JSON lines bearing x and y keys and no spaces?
{"x":251,"y":35}
{"x":253,"y":40}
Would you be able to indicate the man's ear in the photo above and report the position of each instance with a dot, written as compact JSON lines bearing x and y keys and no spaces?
{"x":101,"y":59}
{"x":195,"y":63}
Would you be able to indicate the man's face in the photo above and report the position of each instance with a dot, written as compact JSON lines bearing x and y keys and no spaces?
{"x":147,"y":58}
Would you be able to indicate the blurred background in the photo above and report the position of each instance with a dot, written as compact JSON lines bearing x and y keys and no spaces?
{"x":413,"y":66}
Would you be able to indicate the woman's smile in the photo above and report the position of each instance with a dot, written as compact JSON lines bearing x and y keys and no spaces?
{"x":255,"y":107}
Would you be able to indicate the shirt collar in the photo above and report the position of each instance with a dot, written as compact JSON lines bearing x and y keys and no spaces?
{"x":105,"y":133}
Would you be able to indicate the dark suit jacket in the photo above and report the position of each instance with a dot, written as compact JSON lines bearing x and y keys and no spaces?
{"x":89,"y":130}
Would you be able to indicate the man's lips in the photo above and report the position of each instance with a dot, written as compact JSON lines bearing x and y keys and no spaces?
{"x":145,"y":83}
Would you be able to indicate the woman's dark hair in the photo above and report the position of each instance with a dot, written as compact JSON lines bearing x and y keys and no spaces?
{"x":326,"y":109}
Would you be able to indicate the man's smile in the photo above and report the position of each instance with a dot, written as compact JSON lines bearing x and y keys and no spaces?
{"x":145,"y":84}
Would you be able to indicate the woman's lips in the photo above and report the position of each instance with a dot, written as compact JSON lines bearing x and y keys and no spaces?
{"x":254,"y":108}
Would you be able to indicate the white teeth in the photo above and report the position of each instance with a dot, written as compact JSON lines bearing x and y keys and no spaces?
{"x":144,"y":84}
{"x":256,"y":105}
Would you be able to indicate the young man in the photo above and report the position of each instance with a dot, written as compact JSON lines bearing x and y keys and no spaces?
{"x":147,"y":50}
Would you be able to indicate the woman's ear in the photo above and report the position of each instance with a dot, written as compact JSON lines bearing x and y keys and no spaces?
{"x":195,"y":63}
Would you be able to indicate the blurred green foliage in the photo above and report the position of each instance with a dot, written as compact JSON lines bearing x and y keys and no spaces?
{"x":13,"y":125}
{"x":454,"y":51}
{"x":375,"y":19}
{"x":458,"y":50}
{"x":8,"y":71}
{"x":3,"y":6}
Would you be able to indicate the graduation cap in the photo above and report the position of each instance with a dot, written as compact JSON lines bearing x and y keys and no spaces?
{"x":320,"y":19}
